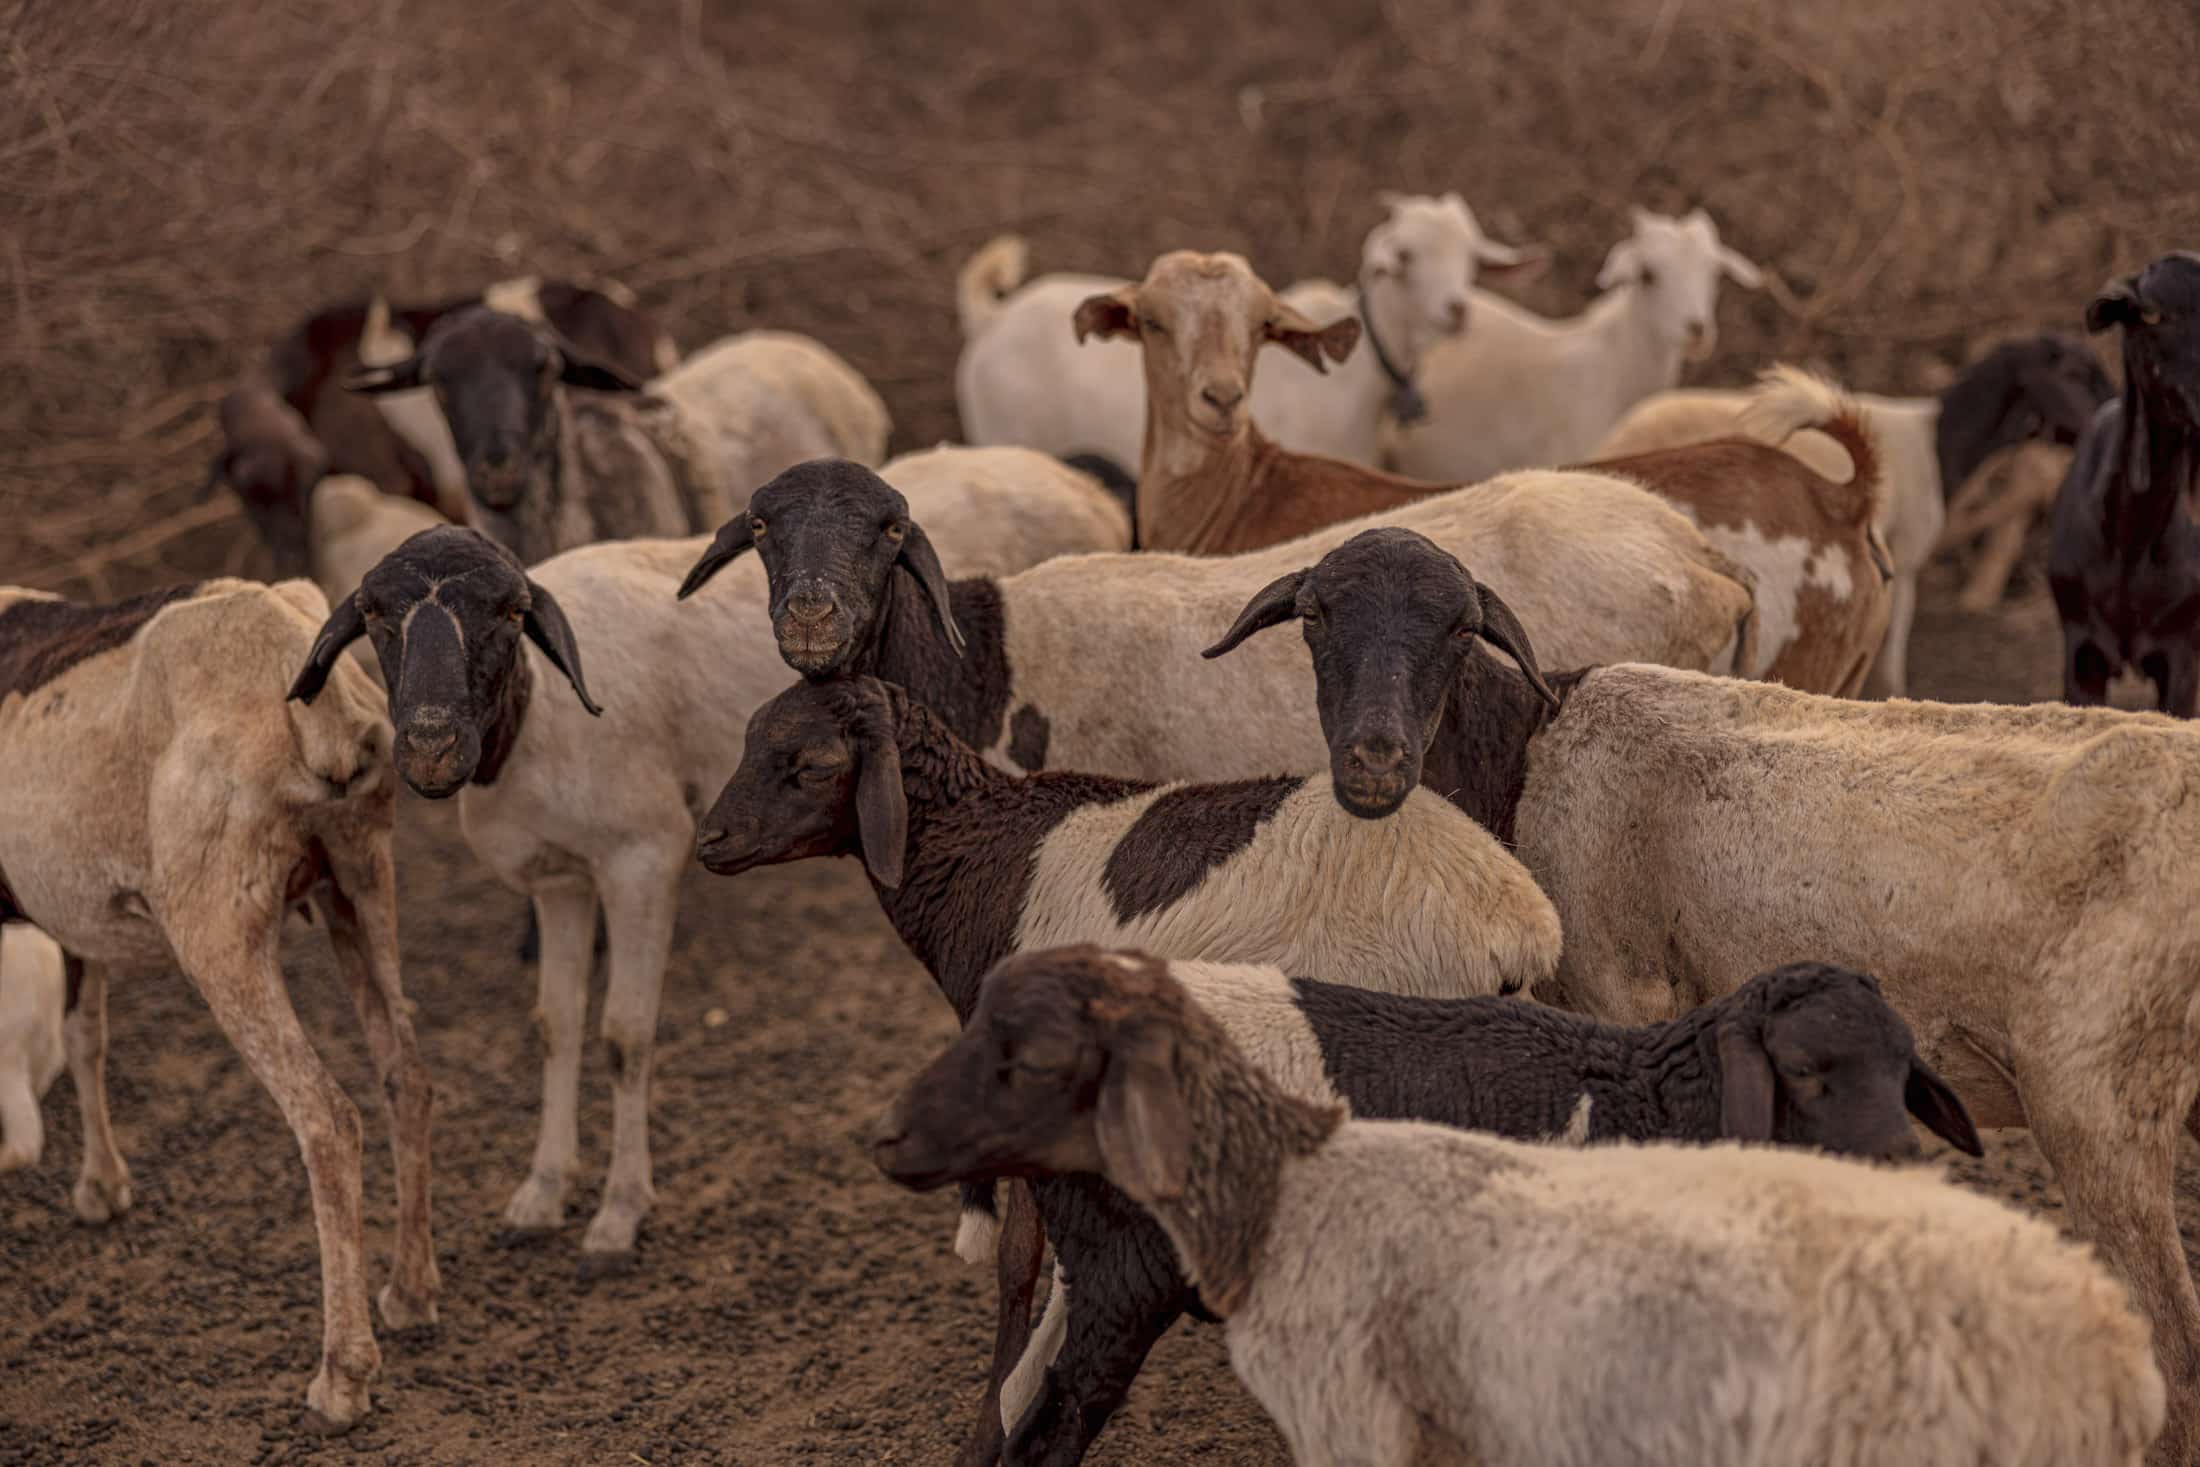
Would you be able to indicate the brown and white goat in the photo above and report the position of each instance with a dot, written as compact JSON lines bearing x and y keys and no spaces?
{"x":1211,"y":483}
{"x":163,"y":805}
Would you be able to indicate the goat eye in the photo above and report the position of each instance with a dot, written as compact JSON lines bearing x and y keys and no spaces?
{"x":1649,"y":276}
{"x":1405,"y":259}
{"x":1148,"y":323}
{"x":2150,"y":316}
{"x":756,"y":528}
{"x":897,"y":531}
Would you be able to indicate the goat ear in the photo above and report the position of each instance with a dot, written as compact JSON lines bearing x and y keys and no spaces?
{"x":1144,"y":1133}
{"x":1514,"y":265}
{"x":2117,"y":304}
{"x":547,"y":628}
{"x":397,"y":377}
{"x":1274,"y":602}
{"x":733,"y":537}
{"x":1933,"y":1101}
{"x":920,"y":560}
{"x":1745,"y":1082}
{"x":579,"y":370}
{"x":882,"y":807}
{"x":1740,"y":268}
{"x":345,"y":625}
{"x":1288,"y":328}
{"x":1113,"y":313}
{"x":1500,"y":628}
{"x":1621,"y":265}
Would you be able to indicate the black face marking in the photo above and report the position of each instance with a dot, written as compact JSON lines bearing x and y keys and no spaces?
{"x":41,"y":640}
{"x":1185,"y":834}
{"x":1027,"y":738}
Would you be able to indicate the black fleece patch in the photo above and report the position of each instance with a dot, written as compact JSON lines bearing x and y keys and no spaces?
{"x":1185,"y":834}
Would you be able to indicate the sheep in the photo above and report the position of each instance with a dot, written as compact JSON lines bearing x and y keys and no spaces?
{"x":1754,"y":1065}
{"x":310,"y":359}
{"x":1034,"y":507}
{"x":1523,"y":390}
{"x":164,"y":806}
{"x":1087,"y":662}
{"x":1021,"y":379}
{"x":2044,"y":386}
{"x":1495,"y":1299}
{"x":352,"y":525}
{"x":2124,"y":550}
{"x":548,"y":469}
{"x":270,"y":459}
{"x":33,"y":1000}
{"x":970,"y":862}
{"x":2001,"y":870}
{"x":570,"y":810}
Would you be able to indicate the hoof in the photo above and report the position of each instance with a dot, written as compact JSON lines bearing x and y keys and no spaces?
{"x":511,"y":1237}
{"x":317,"y":1424}
{"x":400,"y":1314}
{"x":98,"y":1201}
{"x":607,"y":1265}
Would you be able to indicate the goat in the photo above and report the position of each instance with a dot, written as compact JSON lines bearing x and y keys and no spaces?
{"x":165,"y":805}
{"x":2124,"y":544}
{"x":1523,"y":390}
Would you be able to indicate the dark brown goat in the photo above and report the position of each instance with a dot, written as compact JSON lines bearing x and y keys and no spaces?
{"x":2124,"y":546}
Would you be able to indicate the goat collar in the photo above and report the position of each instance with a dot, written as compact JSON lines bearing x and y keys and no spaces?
{"x":1406,"y":403}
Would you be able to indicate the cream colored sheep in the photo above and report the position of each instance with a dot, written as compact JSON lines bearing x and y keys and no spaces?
{"x":1034,"y":506}
{"x":164,"y":806}
{"x":32,"y":1001}
{"x":1399,"y":1293}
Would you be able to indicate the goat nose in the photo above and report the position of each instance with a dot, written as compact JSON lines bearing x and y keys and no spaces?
{"x":432,"y":742}
{"x":809,"y":605}
{"x":1379,"y":755}
{"x":1222,"y":396}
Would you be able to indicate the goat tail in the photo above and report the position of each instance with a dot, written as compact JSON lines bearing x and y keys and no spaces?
{"x":992,"y":272}
{"x":1789,"y":400}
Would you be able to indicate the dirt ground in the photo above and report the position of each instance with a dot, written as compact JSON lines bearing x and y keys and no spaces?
{"x":185,"y":176}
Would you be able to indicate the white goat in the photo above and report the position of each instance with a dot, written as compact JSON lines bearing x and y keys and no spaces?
{"x":1023,"y":378}
{"x":1523,"y":391}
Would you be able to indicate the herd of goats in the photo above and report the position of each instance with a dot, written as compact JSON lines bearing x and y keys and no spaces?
{"x":1506,"y":1012}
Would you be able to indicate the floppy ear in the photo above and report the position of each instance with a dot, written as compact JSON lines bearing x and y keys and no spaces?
{"x":733,"y":537}
{"x":1745,"y":1082}
{"x":345,"y":625}
{"x":920,"y":560}
{"x":1500,"y":628}
{"x":1288,"y":328}
{"x":882,"y":808}
{"x":580,"y":370}
{"x":1144,"y":1134}
{"x":1929,"y":1098}
{"x":547,"y":628}
{"x":1114,"y":313}
{"x":2118,"y":304}
{"x":1274,"y":602}
{"x":1739,"y":269}
{"x":1623,"y":264}
{"x":397,"y":377}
